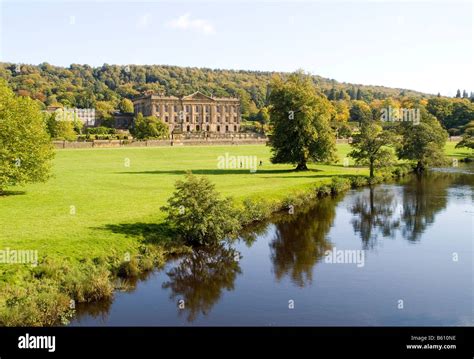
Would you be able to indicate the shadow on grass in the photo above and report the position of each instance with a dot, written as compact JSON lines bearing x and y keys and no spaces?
{"x":11,"y":193}
{"x":153,"y":233}
{"x":321,"y":175}
{"x":238,"y":171}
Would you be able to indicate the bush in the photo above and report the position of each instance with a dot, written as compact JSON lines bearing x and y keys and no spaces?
{"x":101,"y":130}
{"x":89,"y":283}
{"x":197,"y":214}
{"x":35,"y":303}
{"x":339,"y":185}
{"x":323,"y":191}
{"x":358,"y":181}
{"x":255,"y":210}
{"x":401,"y":170}
{"x":129,"y":269}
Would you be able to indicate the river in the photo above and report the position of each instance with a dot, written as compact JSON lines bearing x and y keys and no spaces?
{"x":394,"y":255}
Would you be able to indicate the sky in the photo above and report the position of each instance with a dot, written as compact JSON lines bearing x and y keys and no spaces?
{"x":425,"y":46}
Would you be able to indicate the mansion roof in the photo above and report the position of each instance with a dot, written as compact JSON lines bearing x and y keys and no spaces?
{"x":198,"y":96}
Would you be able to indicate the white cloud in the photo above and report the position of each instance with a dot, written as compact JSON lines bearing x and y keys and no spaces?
{"x":185,"y":22}
{"x":144,"y":21}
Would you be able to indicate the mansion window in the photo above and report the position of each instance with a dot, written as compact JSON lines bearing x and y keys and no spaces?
{"x":175,"y":118}
{"x":188,"y":108}
{"x":157,"y":108}
{"x":218,"y":109}
{"x":235,"y":128}
{"x":175,"y":108}
{"x":166,"y":118}
{"x":207,"y":118}
{"x":166,"y":108}
{"x":187,"y":118}
{"x":197,"y":108}
{"x":207,"y":107}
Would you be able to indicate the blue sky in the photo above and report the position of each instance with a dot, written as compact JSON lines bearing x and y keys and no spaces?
{"x":426,"y":46}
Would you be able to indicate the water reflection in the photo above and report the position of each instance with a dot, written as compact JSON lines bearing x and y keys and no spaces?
{"x":378,"y":212}
{"x":300,"y":241}
{"x":423,"y":198}
{"x":201,"y":277}
{"x":374,"y":211}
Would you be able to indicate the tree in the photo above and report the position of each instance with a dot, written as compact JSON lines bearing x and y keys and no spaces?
{"x":370,"y":146}
{"x":458,"y":93}
{"x":465,"y":94}
{"x":360,"y":112}
{"x":104,"y":111}
{"x":339,"y":117}
{"x":263,"y":116}
{"x":441,"y":108}
{"x":423,"y":142}
{"x":125,"y":106}
{"x":149,"y":127}
{"x":300,"y":117}
{"x":25,"y":146}
{"x":60,"y":129}
{"x":198,"y":214}
{"x":467,"y":139}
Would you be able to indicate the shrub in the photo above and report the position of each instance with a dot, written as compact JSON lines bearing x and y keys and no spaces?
{"x":358,"y":181}
{"x":34,"y":303}
{"x":255,"y":210}
{"x":197,"y":213}
{"x":89,"y":283}
{"x":129,"y":269}
{"x":101,"y":130}
{"x":324,"y":190}
{"x":339,"y":185}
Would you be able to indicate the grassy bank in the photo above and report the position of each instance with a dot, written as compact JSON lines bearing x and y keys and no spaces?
{"x":96,"y":218}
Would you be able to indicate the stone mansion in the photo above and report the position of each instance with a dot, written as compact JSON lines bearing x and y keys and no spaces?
{"x":193,"y":113}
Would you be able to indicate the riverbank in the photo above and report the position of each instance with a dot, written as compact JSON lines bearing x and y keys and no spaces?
{"x":98,"y":219}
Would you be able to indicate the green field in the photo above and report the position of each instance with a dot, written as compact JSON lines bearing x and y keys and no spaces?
{"x":105,"y":193}
{"x":101,"y":204}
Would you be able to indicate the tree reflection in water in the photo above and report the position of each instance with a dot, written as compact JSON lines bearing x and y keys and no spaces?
{"x":201,"y":277}
{"x":376,"y":210}
{"x":300,"y":241}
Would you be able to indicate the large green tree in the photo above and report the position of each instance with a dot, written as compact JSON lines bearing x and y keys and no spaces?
{"x":423,"y":142}
{"x":149,"y":127}
{"x":300,"y":117}
{"x":25,"y":146}
{"x":370,"y":146}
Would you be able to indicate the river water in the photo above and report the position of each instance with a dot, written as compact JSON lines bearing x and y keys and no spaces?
{"x":396,"y":254}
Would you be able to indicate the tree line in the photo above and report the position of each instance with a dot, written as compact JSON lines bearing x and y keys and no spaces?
{"x":109,"y":88}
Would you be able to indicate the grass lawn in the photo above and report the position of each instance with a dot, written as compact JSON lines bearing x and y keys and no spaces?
{"x":105,"y":193}
{"x":97,"y":185}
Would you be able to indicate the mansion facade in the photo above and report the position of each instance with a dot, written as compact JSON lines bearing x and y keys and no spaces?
{"x":193,"y":113}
